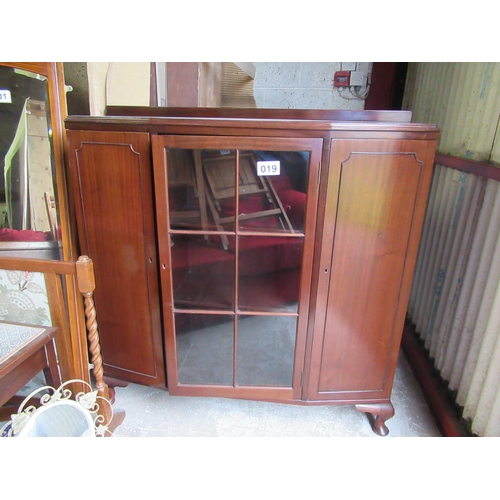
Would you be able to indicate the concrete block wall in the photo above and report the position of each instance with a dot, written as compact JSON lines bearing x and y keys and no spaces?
{"x":299,"y":85}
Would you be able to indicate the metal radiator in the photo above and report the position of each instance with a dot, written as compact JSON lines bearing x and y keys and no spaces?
{"x":455,"y":299}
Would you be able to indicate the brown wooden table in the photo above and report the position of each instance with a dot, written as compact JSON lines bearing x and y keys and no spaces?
{"x":25,"y":351}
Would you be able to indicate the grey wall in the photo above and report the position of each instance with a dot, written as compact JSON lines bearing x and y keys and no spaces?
{"x":299,"y":85}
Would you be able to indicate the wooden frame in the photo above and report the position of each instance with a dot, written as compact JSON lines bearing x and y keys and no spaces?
{"x":72,"y":345}
{"x":482,"y":168}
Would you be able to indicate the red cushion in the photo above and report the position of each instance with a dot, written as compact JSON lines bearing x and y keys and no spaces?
{"x":265,"y":255}
{"x":257,"y":255}
{"x":281,"y":182}
{"x":7,"y":234}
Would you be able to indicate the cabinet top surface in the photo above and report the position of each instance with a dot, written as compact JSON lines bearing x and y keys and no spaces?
{"x":154,"y":119}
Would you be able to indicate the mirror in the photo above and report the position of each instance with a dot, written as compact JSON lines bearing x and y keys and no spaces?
{"x":42,"y":82}
{"x":29,"y":220}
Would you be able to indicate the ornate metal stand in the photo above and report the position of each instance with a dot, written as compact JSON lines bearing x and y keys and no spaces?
{"x":99,"y":408}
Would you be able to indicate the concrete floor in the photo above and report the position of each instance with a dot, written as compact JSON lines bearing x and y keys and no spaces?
{"x":154,"y":413}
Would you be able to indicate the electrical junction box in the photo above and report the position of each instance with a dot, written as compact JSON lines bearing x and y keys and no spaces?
{"x":358,"y":79}
{"x":341,"y":78}
{"x":349,"y":66}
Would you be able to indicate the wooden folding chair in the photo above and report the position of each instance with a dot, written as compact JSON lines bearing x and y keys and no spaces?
{"x":219,"y":170}
{"x":184,"y":171}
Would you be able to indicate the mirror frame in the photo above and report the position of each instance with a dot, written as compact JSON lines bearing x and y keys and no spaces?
{"x":74,"y":363}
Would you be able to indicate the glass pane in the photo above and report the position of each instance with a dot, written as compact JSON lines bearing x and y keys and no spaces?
{"x":205,"y":348}
{"x":269,"y":273}
{"x":202,"y":272}
{"x":272,"y":190}
{"x":29,"y":222}
{"x":201,"y":189}
{"x":266,"y":349}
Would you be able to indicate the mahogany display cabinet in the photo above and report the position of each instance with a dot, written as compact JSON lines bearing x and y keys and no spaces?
{"x":251,"y":253}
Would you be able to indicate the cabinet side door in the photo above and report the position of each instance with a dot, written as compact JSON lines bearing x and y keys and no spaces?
{"x":111,"y":181}
{"x":376,"y":195}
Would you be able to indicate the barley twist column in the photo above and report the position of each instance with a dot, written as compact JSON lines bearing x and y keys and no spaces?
{"x":86,"y":286}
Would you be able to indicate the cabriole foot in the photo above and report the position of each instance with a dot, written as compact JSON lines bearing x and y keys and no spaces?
{"x":378,"y":414}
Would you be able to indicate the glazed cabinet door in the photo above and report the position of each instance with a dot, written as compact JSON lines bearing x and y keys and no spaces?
{"x":377,"y":193}
{"x":236,"y":219}
{"x":111,"y":180}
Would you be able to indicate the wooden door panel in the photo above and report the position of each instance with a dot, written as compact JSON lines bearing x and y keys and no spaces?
{"x":375,"y":190}
{"x":112,"y":175}
{"x":235,"y":321}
